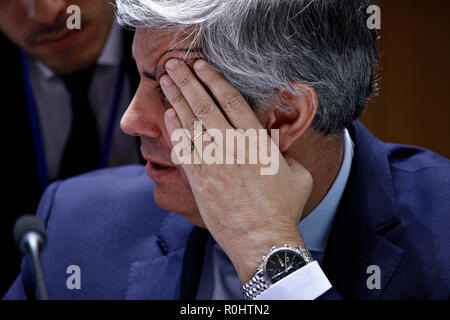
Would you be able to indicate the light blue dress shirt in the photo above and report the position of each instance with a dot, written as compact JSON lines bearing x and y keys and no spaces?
{"x":219,"y":280}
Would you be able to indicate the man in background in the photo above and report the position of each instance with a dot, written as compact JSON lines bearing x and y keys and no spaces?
{"x":63,"y":92}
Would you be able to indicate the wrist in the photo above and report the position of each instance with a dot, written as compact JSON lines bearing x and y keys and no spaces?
{"x":248,"y":260}
{"x":278,"y":264}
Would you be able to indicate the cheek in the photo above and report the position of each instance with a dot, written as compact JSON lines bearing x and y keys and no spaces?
{"x":165,"y":106}
{"x":150,"y":102}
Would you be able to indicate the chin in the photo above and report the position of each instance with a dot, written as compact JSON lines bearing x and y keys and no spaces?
{"x":177,"y":201}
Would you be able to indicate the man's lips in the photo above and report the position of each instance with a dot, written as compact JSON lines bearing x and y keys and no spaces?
{"x":157,"y":165}
{"x":151,"y":159}
{"x":57,"y":41}
{"x":157,"y":170}
{"x":52,"y":37}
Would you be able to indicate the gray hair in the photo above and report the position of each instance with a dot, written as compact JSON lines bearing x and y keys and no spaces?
{"x":264,"y":45}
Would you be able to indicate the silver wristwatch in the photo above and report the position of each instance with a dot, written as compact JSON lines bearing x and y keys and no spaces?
{"x":279,"y":263}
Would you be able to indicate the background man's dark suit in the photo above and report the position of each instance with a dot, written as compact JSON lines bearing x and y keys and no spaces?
{"x":21,"y":190}
{"x":394,"y":214}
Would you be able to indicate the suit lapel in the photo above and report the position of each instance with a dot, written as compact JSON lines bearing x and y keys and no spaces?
{"x":367,"y":212}
{"x":173,"y":269}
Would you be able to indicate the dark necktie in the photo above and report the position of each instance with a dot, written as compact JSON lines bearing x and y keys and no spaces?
{"x":82,"y":151}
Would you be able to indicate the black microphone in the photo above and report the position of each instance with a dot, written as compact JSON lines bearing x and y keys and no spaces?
{"x":30,"y":237}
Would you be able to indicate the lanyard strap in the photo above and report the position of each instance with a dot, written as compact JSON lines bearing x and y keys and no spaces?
{"x":35,"y":127}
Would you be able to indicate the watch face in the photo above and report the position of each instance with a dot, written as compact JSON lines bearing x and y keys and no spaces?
{"x":281,"y":263}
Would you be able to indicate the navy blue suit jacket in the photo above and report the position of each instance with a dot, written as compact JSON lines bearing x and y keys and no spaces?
{"x":394,"y":214}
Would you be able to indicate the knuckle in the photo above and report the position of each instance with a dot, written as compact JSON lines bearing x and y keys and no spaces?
{"x":184,"y":80}
{"x":176,"y":99}
{"x":232,"y":102}
{"x":205,"y":109}
{"x":214,"y":78}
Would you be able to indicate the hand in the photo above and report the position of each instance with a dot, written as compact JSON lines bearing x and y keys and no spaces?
{"x":246,"y":212}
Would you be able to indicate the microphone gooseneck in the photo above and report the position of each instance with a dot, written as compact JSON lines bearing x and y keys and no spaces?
{"x":30,"y":237}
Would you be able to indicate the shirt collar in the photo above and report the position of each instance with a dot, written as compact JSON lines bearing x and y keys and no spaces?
{"x":43,"y":69}
{"x":110,"y":56}
{"x":315,"y":228}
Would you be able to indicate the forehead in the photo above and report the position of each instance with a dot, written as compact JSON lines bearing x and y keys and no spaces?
{"x":147,"y":42}
{"x":149,"y":45}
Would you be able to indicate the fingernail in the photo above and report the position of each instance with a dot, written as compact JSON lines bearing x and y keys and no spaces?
{"x":172,"y":64}
{"x":171,"y":113}
{"x":199,"y":65}
{"x":166,"y":80}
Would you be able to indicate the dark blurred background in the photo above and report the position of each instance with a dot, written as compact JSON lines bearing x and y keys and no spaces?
{"x":412,"y":106}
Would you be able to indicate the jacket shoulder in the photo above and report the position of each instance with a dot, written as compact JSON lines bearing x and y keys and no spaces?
{"x":420,"y":176}
{"x":421,"y":180}
{"x":104,"y":199}
{"x":412,"y":158}
{"x":101,"y":222}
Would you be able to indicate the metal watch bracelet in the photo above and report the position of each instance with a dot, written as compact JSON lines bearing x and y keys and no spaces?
{"x":256,"y":285}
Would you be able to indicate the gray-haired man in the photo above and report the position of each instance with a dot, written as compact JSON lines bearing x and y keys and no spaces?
{"x":341,"y":203}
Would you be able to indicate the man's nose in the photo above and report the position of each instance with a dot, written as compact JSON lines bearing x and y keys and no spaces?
{"x":44,"y":11}
{"x":141,"y":119}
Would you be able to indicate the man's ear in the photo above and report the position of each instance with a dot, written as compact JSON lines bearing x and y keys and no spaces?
{"x":292,"y":123}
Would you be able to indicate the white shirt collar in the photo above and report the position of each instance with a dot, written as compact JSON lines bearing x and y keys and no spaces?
{"x":111,"y":54}
{"x":315,"y":228}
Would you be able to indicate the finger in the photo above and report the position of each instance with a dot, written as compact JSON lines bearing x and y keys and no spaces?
{"x":230,"y":99}
{"x":176,"y":99}
{"x":196,"y":96}
{"x":183,"y":151}
{"x":186,"y":116}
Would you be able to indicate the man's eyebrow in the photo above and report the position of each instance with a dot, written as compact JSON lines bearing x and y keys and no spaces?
{"x":152,"y":75}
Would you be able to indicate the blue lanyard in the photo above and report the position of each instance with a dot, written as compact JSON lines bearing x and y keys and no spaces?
{"x":35,"y":127}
